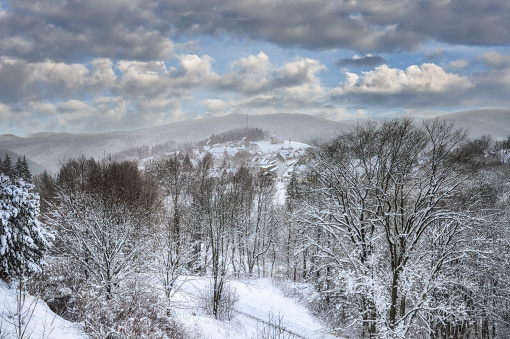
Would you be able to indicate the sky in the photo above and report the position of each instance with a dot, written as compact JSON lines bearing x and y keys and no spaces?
{"x":103,"y":65}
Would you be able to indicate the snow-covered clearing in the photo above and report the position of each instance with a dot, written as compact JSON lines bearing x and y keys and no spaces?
{"x":257,"y":300}
{"x":40,"y":321}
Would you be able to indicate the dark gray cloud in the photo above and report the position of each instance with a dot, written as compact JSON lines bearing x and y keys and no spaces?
{"x":143,"y":30}
{"x":466,"y":22}
{"x":363,"y":25}
{"x":13,"y":78}
{"x":73,"y":30}
{"x":491,"y":87}
{"x":366,"y":61}
{"x":307,"y":24}
{"x":435,"y":54}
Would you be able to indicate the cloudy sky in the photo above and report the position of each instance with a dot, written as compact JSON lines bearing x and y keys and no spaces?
{"x":102,"y":65}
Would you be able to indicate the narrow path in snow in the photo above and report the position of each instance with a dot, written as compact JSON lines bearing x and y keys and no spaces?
{"x":270,"y":324}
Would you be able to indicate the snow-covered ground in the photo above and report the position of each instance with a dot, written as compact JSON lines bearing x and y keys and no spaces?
{"x":267,"y":147}
{"x":219,"y":151}
{"x":257,"y":300}
{"x":40,"y":321}
{"x":281,"y":193}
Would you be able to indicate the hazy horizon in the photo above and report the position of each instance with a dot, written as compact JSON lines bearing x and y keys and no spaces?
{"x":417,"y":117}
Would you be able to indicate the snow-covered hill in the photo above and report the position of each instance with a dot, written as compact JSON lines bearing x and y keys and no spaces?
{"x":259,"y":303}
{"x":39,"y":320}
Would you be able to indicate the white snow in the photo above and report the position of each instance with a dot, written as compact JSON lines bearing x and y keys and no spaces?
{"x":258,"y":299}
{"x":219,"y":151}
{"x":267,"y":147}
{"x":281,"y":193}
{"x":42,"y":323}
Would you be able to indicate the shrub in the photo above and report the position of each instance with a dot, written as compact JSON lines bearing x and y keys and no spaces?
{"x":59,"y":285}
{"x":274,"y":329}
{"x":135,"y":313}
{"x":227,"y":302}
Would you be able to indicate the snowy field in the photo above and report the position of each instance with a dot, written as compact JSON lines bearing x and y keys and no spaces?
{"x":40,"y":321}
{"x":257,"y":300}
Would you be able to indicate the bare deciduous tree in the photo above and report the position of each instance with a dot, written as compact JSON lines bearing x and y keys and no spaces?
{"x":382,"y":201}
{"x":101,"y":213}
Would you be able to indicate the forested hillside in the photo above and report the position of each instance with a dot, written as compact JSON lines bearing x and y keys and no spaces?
{"x":396,"y":229}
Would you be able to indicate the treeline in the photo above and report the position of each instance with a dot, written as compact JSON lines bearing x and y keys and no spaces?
{"x":144,"y":151}
{"x":251,"y":134}
{"x":15,"y":170}
{"x":107,"y":218}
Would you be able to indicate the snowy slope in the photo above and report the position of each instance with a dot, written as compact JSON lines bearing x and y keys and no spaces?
{"x":42,"y":323}
{"x":257,"y":300}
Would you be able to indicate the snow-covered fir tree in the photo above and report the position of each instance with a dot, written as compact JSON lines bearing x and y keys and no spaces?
{"x":23,"y":241}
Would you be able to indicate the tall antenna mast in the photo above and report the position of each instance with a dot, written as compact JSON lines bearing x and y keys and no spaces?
{"x":246,"y":126}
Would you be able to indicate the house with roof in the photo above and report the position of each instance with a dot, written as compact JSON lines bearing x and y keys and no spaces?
{"x":276,"y":139}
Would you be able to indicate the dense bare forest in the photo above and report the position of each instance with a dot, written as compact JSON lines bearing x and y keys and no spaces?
{"x":400,"y":229}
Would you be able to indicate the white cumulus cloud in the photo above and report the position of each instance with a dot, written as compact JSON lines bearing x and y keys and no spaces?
{"x":427,"y":78}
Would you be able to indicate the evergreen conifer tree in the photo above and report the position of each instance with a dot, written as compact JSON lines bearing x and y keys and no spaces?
{"x":17,"y":168}
{"x":22,"y":171}
{"x":23,"y":242}
{"x":7,"y":166}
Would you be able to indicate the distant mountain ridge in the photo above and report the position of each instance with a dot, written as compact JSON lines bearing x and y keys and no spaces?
{"x":50,"y":149}
{"x":493,"y":122}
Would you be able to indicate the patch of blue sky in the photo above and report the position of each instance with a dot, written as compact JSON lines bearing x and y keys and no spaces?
{"x":225,"y":50}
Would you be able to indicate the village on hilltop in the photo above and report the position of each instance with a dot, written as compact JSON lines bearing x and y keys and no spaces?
{"x":274,"y":156}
